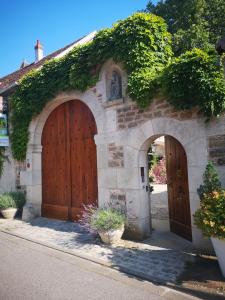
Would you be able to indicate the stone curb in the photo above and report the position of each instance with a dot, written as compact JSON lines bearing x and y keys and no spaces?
{"x":141,"y":275}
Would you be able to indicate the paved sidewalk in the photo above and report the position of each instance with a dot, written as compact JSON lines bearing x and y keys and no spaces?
{"x":146,"y":259}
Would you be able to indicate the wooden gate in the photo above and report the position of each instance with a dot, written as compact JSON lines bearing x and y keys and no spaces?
{"x":178,"y":192}
{"x":69,"y":164}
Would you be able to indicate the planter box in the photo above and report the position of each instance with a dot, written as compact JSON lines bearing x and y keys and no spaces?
{"x":9,"y":213}
{"x":219,"y":247}
{"x":112,"y":236}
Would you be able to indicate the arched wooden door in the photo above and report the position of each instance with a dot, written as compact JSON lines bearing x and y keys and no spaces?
{"x":69,"y":164}
{"x":178,"y":191}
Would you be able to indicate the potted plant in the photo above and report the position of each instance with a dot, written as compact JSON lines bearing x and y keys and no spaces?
{"x":10,"y":203}
{"x":108,"y":222}
{"x":210,"y":217}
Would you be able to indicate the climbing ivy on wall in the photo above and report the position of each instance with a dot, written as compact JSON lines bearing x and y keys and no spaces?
{"x":140,"y":42}
{"x":195,"y":79}
{"x":143,"y":45}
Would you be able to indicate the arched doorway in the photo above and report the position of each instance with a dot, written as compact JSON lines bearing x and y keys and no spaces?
{"x":177,"y":191}
{"x":69,"y":164}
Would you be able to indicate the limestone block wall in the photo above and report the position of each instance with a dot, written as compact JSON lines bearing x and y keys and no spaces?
{"x":11,"y":173}
{"x":131,"y":115}
{"x":134,"y":132}
{"x":115,"y":156}
{"x":216,"y":144}
{"x":124,"y":135}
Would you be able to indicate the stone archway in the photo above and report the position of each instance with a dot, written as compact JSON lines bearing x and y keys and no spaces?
{"x":170,"y":203}
{"x":69,"y":162}
{"x":32,"y":177}
{"x":194,"y":144}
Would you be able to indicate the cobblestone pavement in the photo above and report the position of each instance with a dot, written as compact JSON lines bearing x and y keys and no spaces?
{"x":147,"y":259}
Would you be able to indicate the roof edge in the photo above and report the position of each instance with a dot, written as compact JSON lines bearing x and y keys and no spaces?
{"x":2,"y":91}
{"x":87,"y":38}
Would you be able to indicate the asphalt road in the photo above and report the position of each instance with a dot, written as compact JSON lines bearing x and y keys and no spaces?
{"x":29,"y":271}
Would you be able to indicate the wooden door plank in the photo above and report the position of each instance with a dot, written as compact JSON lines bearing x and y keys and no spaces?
{"x":178,"y":190}
{"x":55,"y":185}
{"x":83,"y":157}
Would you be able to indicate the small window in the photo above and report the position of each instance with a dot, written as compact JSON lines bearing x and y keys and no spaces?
{"x":115,"y":91}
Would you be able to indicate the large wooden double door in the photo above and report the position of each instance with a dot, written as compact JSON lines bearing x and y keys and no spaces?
{"x":69,"y":166}
{"x":178,"y":191}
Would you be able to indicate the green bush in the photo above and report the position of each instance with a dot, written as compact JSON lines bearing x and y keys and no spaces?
{"x":107,"y":219}
{"x":210,"y":217}
{"x":19,"y":198}
{"x":211,"y":181}
{"x":7,"y":201}
{"x":12,"y":200}
{"x":195,"y":79}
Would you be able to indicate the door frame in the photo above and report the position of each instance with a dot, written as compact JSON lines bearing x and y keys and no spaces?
{"x":157,"y":131}
{"x":32,"y":176}
{"x":151,"y":141}
{"x":64,"y":117}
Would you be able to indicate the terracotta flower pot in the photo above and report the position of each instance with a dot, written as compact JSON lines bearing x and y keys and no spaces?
{"x":219,"y":247}
{"x":9,"y":213}
{"x":111,"y":236}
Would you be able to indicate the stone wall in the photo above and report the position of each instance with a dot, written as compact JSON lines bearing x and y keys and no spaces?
{"x":115,"y":156}
{"x":19,"y":166}
{"x":7,"y":180}
{"x":124,"y":135}
{"x":216,"y":148}
{"x":118,"y":200}
{"x":131,"y":115}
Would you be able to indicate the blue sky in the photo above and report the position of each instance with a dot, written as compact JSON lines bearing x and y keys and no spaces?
{"x":55,"y":23}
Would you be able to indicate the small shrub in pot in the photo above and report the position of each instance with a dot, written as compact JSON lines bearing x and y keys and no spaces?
{"x":210,"y":217}
{"x":107,"y":222}
{"x":10,"y":203}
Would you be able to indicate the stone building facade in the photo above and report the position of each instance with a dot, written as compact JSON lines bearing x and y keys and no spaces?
{"x":124,"y":134}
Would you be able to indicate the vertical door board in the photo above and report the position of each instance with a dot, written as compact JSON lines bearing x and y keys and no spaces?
{"x":178,"y":190}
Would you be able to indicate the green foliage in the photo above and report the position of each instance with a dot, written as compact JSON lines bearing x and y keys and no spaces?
{"x":194,"y":37}
{"x":3,"y":123}
{"x":141,"y":43}
{"x":147,"y":82}
{"x":211,"y":181}
{"x":19,"y":198}
{"x":12,"y":200}
{"x":193,"y":23}
{"x":107,"y":219}
{"x":2,"y":159}
{"x":195,"y":79}
{"x":210,"y":217}
{"x":6,"y":201}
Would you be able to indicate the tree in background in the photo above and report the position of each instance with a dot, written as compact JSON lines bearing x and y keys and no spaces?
{"x":193,"y":23}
